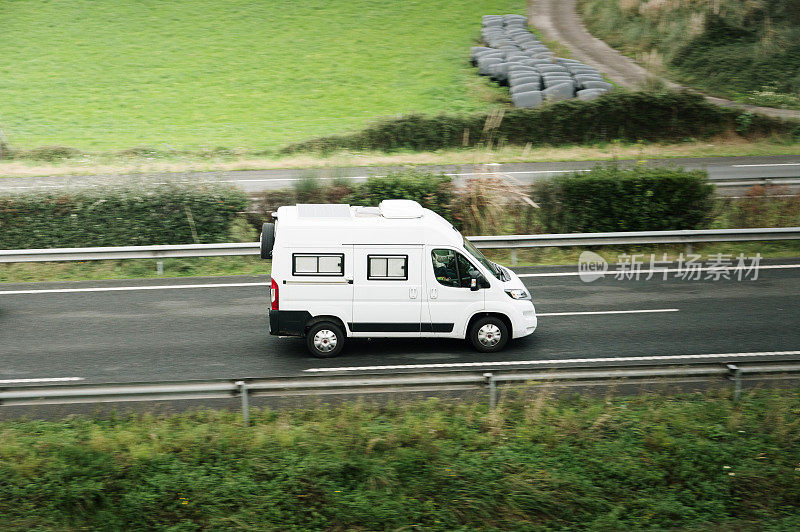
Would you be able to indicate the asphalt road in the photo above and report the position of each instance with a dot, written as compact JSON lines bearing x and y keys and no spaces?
{"x":745,"y":169}
{"x":202,"y":328}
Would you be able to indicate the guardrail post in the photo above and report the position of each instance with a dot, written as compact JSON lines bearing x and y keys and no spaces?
{"x":736,"y":376}
{"x":513,"y":257}
{"x":492,"y":390}
{"x":160,"y":267}
{"x":245,"y":403}
{"x":689,"y":248}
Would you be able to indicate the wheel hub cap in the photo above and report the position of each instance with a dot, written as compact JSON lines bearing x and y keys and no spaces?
{"x":325,"y":340}
{"x":489,"y":335}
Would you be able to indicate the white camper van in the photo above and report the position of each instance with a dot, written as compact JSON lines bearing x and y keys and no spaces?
{"x":397,"y":270}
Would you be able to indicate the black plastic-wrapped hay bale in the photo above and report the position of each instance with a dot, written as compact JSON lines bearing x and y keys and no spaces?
{"x":490,"y":21}
{"x":551,"y":68}
{"x":475,"y":51}
{"x":597,"y":85}
{"x":499,"y":72}
{"x":527,"y":99}
{"x":525,"y":87}
{"x":563,"y":91}
{"x":517,"y":78}
{"x":590,"y":94}
{"x":484,"y":63}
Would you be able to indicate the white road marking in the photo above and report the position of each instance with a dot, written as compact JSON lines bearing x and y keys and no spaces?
{"x":126,"y":288}
{"x":664,"y":358}
{"x":268,"y":179}
{"x":655,"y":272}
{"x":32,"y":381}
{"x":776,"y":164}
{"x":590,"y":313}
{"x":226,"y":285}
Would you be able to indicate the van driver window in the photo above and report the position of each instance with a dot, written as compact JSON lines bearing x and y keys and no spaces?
{"x":451,"y":268}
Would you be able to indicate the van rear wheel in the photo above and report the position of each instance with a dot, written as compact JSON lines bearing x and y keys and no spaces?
{"x":488,"y":335}
{"x":325,"y":340}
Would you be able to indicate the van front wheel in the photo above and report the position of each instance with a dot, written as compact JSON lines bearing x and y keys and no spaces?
{"x":325,"y":340}
{"x":488,"y":335}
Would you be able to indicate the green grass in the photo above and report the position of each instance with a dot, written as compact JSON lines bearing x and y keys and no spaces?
{"x":537,"y":462}
{"x":221,"y":266}
{"x":108,"y":75}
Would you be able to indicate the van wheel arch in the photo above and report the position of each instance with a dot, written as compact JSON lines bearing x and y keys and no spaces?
{"x":498,"y":315}
{"x":319,"y":319}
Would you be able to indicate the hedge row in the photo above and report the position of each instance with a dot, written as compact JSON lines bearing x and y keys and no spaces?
{"x":604,"y":199}
{"x":621,"y":115}
{"x":537,"y":462}
{"x":119,"y":216}
{"x":610,"y":198}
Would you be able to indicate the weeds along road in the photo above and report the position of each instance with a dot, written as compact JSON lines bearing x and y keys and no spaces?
{"x":784,"y":167}
{"x":202,"y":328}
{"x":559,"y":21}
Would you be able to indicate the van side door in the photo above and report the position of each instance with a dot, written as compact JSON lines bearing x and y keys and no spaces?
{"x":387,"y":291}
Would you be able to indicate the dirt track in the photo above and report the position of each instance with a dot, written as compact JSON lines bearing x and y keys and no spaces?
{"x":559,"y":21}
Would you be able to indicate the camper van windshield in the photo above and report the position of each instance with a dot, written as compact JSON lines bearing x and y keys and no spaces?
{"x":475,"y":252}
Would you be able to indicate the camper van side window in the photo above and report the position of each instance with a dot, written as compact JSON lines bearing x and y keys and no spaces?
{"x":318,"y":264}
{"x":387,"y":267}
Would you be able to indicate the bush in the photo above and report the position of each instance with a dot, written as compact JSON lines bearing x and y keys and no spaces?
{"x":123,"y":216}
{"x":49,"y":153}
{"x":610,"y":198}
{"x":620,"y":115}
{"x":537,"y":462}
{"x":432,"y":191}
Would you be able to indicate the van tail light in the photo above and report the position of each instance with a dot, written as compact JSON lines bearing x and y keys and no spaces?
{"x":273,"y":294}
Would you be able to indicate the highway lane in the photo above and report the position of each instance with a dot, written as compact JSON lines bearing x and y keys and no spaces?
{"x":254,"y":181}
{"x":147,"y":330}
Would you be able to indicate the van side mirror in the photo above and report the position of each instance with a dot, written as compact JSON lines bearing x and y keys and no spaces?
{"x":477,"y":281}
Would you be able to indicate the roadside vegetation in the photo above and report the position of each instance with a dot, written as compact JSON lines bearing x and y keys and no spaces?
{"x":664,"y":199}
{"x":175,"y":162}
{"x":619,"y":115}
{"x":537,"y":462}
{"x":740,"y":49}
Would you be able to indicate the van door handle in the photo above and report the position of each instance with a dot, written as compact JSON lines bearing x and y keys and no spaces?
{"x":434,"y":293}
{"x":412,"y":293}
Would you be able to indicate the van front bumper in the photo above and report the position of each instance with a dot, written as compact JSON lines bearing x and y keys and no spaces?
{"x":525,"y":321}
{"x":288,"y":322}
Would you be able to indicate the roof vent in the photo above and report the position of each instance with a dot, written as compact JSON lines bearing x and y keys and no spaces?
{"x":401,"y":208}
{"x":366,"y":212}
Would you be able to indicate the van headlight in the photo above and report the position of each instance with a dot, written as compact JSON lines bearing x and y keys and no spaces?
{"x":518,"y":293}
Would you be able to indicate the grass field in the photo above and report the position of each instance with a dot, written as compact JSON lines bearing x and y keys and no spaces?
{"x":108,"y":75}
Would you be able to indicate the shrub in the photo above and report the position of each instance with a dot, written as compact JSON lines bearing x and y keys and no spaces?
{"x":610,"y":198}
{"x":49,"y":153}
{"x":432,"y":191}
{"x":619,"y":115}
{"x":173,"y":213}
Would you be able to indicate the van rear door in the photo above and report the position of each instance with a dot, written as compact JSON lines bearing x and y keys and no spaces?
{"x":387,"y":291}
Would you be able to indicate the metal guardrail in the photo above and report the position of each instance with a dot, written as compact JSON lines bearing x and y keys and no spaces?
{"x":636,"y":237}
{"x":129,"y":252}
{"x":485,"y":242}
{"x":390,"y":383}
